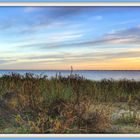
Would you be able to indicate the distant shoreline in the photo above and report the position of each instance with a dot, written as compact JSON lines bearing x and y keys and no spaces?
{"x":95,"y":75}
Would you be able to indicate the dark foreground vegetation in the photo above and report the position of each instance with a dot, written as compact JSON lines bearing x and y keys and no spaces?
{"x":36,"y":104}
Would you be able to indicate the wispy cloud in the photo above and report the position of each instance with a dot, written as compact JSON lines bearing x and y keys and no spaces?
{"x":118,"y":37}
{"x":98,"y":17}
{"x":63,"y":57}
{"x":31,"y":9}
{"x":124,"y":36}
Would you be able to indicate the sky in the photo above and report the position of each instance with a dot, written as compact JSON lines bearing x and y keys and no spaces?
{"x":56,"y":38}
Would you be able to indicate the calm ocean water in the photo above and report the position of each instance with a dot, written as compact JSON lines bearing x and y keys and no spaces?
{"x":89,"y":74}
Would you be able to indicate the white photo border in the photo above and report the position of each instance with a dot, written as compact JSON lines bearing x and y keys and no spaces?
{"x":41,"y":4}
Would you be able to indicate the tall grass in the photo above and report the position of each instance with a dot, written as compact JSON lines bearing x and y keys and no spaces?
{"x":36,"y":104}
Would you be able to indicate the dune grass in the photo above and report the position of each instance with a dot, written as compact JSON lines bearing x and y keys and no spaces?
{"x":35,"y":104}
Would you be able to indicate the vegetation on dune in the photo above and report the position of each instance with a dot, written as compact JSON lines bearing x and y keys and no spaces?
{"x":73,"y":104}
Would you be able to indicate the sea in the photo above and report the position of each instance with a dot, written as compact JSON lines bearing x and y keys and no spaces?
{"x":88,"y":74}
